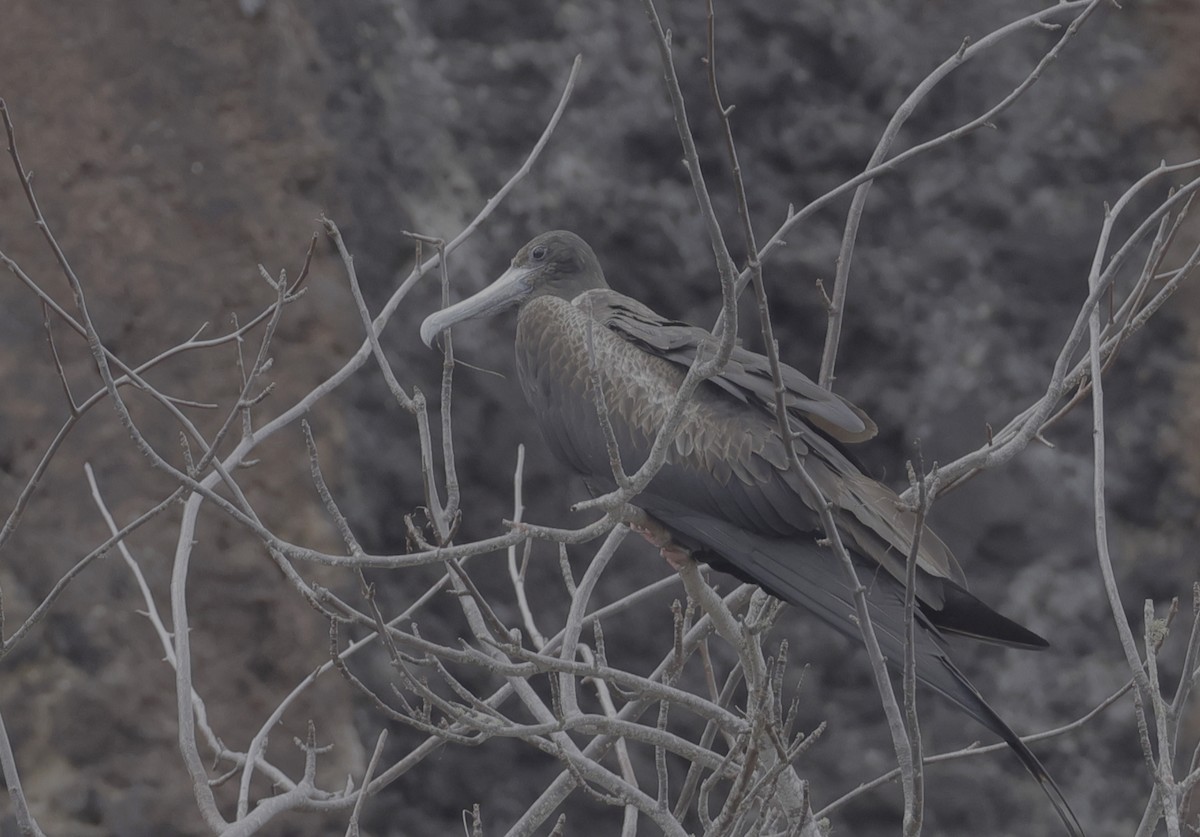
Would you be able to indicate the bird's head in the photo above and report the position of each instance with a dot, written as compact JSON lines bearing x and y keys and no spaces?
{"x":556,"y":263}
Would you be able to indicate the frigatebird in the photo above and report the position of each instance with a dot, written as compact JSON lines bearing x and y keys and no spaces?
{"x":727,"y":493}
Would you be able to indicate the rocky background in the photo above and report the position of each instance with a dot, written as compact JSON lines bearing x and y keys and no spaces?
{"x":176,"y":146}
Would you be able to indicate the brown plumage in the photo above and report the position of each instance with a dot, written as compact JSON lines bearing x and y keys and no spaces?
{"x":726,"y":491}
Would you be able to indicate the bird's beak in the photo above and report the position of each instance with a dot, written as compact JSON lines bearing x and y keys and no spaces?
{"x":512,"y":286}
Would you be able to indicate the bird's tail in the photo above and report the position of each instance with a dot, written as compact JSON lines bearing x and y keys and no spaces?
{"x":969,"y":699}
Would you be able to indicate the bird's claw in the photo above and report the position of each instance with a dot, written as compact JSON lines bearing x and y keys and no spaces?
{"x":658,"y":535}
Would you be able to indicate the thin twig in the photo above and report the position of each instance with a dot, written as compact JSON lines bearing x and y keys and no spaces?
{"x":12,"y":779}
{"x":966,"y":52}
{"x":914,"y":805}
{"x":975,"y":750}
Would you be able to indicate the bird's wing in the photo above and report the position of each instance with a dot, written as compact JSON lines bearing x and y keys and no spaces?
{"x":747,"y":376}
{"x":871,"y":514}
{"x":802,"y":573}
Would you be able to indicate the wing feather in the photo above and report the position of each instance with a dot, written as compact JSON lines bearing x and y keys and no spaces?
{"x":747,"y":377}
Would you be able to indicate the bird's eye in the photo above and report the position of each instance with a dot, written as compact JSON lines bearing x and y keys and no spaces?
{"x":538,"y":253}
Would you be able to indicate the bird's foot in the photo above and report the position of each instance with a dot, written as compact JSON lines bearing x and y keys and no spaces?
{"x":676,"y":556}
{"x":658,"y":535}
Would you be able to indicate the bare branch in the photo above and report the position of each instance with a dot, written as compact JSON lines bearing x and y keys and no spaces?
{"x":12,"y":779}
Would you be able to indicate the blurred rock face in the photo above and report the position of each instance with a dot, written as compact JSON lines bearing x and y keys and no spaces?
{"x":175,"y":150}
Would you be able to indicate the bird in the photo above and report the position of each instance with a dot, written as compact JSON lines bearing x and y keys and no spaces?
{"x":727,"y":493}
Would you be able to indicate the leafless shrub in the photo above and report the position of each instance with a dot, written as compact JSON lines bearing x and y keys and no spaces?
{"x":559,"y":693}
